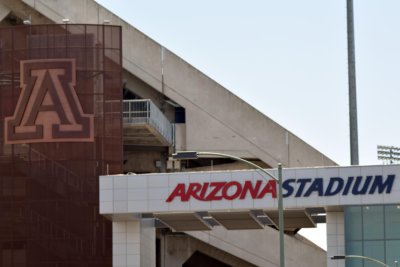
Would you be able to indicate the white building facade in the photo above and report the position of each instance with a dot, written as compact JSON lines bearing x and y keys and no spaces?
{"x":360,"y":204}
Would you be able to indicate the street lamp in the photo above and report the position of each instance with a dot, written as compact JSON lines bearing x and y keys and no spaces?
{"x":342,"y":257}
{"x":185,"y":155}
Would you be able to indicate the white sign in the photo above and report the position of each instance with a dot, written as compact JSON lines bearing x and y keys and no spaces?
{"x":215,"y":191}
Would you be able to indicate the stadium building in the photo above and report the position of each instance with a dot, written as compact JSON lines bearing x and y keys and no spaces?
{"x":91,"y":110}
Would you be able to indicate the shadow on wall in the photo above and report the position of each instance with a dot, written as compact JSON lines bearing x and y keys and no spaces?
{"x":199,"y":259}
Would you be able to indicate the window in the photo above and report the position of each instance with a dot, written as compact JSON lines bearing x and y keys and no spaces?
{"x":372,"y":231}
{"x":180,"y":116}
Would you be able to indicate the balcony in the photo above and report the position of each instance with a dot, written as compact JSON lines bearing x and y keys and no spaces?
{"x":144,"y":124}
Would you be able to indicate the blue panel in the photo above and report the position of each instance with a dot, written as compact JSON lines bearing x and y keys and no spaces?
{"x":392,"y":222}
{"x":354,"y":248}
{"x":372,"y":231}
{"x":373,"y":226}
{"x":353,"y":222}
{"x":392,"y":252}
{"x":375,"y":250}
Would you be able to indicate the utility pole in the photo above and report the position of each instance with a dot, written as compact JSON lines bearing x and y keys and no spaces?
{"x":352,"y":84}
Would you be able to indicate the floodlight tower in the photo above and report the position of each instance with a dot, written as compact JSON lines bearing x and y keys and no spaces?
{"x":390,"y":153}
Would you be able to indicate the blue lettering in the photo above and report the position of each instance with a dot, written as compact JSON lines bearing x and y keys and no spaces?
{"x":318,"y":186}
{"x":348,"y":185}
{"x":356,"y":188}
{"x":302,"y":183}
{"x":359,"y":185}
{"x":380,"y":185}
{"x":289,"y":189}
{"x":339,"y":185}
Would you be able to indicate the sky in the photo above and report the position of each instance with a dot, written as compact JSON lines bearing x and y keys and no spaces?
{"x":288,"y":59}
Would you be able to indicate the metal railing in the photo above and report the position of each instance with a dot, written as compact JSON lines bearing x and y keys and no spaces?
{"x":143,"y":111}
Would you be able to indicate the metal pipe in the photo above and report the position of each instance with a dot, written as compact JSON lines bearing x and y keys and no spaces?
{"x":280,"y":218}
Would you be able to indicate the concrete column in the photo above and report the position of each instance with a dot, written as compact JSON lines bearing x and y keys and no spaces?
{"x":335,"y":238}
{"x":147,"y":243}
{"x":134,"y":244}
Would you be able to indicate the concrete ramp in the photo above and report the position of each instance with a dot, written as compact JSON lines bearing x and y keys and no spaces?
{"x":261,"y":247}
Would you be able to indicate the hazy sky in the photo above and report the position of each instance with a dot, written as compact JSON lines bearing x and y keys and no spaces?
{"x":288,"y":59}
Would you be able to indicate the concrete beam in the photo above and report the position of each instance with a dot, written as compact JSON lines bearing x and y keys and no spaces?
{"x":4,"y":11}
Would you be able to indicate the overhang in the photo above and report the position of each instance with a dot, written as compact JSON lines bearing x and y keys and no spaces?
{"x":244,"y":199}
{"x":236,"y":220}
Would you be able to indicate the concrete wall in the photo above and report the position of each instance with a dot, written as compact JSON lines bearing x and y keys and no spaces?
{"x":261,"y":247}
{"x":143,"y":161}
{"x":145,"y":91}
{"x":22,"y":11}
{"x":4,"y":11}
{"x":216,"y":119}
{"x":178,"y":248}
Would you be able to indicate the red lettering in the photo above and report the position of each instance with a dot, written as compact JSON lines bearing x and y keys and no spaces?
{"x":248,"y":186}
{"x":179,"y":191}
{"x":204,"y":191}
{"x":270,"y":187}
{"x":217,"y":188}
{"x":193,"y":189}
{"x":223,"y":190}
{"x":236,"y":193}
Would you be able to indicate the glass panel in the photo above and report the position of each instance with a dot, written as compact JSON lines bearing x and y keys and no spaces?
{"x":375,"y":250}
{"x":377,"y":223}
{"x":353,"y":220}
{"x":392,"y":222}
{"x":373,"y":222}
{"x":392,"y":252}
{"x":354,"y":248}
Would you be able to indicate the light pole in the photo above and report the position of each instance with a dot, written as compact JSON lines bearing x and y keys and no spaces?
{"x":185,"y":155}
{"x":352,"y":84}
{"x":342,"y":257}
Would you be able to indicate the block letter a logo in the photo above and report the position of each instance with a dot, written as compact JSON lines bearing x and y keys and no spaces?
{"x":48,"y":109}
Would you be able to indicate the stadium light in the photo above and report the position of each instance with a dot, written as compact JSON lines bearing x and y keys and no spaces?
{"x":390,"y":153}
